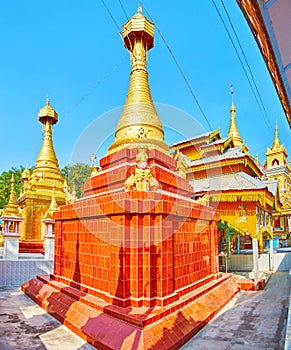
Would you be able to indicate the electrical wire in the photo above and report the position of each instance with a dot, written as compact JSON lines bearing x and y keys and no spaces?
{"x":261,"y":106}
{"x":123,"y":9}
{"x":247,"y":63}
{"x":179,"y":68}
{"x":111,"y":16}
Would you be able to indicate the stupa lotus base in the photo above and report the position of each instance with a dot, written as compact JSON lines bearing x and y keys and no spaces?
{"x":108,"y":326}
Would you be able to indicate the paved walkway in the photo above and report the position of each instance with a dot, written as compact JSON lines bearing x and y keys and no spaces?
{"x":254,"y":320}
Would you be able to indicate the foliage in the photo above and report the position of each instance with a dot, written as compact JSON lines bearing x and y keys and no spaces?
{"x":76,"y":176}
{"x":5,"y":178}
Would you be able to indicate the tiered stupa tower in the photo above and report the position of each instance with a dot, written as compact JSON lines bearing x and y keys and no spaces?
{"x":38,"y":186}
{"x":139,"y":123}
{"x":136,"y":263}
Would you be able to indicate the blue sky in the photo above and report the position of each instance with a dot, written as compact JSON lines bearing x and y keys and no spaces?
{"x":72,"y":50}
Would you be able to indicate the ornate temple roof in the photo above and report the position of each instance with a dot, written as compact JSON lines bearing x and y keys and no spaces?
{"x":229,"y":154}
{"x":207,"y":136}
{"x":233,"y":181}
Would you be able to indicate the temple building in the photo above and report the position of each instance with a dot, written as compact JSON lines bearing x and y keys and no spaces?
{"x":225,"y":176}
{"x":38,"y":186}
{"x":277,"y":167}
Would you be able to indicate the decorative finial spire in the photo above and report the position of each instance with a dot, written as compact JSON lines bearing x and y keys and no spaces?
{"x":53,"y":205}
{"x":139,"y":8}
{"x":276,"y":141}
{"x":232,"y":94}
{"x":47,"y":100}
{"x":12,"y":207}
{"x":233,"y":129}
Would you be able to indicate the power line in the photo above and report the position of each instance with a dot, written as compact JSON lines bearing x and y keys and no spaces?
{"x":244,"y":69}
{"x":111,"y":16}
{"x":179,"y":68}
{"x":123,"y":9}
{"x":250,"y":70}
{"x":98,"y":82}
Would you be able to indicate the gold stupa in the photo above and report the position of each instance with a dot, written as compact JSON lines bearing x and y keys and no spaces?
{"x":139,"y":121}
{"x":43,"y":183}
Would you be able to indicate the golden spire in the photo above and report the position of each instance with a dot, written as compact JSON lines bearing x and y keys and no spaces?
{"x":139,"y":121}
{"x":25,"y":174}
{"x":276,"y":142}
{"x":47,"y":160}
{"x":233,"y":129}
{"x":12,"y":207}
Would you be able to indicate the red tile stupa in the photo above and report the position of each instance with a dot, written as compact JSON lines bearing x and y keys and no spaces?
{"x":136,"y":259}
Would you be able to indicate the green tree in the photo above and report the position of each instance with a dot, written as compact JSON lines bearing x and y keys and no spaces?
{"x":76,"y":176}
{"x":5,"y":178}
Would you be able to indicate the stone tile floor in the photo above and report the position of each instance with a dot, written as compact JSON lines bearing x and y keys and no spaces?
{"x":253,"y":320}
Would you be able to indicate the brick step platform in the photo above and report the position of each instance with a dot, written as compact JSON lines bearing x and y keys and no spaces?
{"x":108,"y":326}
{"x":31,"y":247}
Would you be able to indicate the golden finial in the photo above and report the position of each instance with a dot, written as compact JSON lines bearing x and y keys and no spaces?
{"x":276,"y":141}
{"x":139,"y":8}
{"x":257,"y":160}
{"x":53,"y":205}
{"x":25,"y":174}
{"x":232,"y":94}
{"x":47,"y":100}
{"x":233,"y":129}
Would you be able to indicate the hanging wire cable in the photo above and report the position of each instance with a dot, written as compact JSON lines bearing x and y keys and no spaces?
{"x":179,"y":68}
{"x":247,"y":63}
{"x":98,"y":82}
{"x":111,"y":16}
{"x":123,"y":9}
{"x":243,"y":66}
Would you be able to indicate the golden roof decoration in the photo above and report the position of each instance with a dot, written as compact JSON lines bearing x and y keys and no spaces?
{"x":25,"y":174}
{"x":53,"y":206}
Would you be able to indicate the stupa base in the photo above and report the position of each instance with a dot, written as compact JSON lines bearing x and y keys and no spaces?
{"x":108,"y":326}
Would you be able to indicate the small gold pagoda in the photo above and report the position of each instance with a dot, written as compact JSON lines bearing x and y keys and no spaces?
{"x":12,"y":208}
{"x":43,"y":183}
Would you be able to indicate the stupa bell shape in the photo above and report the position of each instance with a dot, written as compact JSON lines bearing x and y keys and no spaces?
{"x":47,"y":160}
{"x":139,"y":122}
